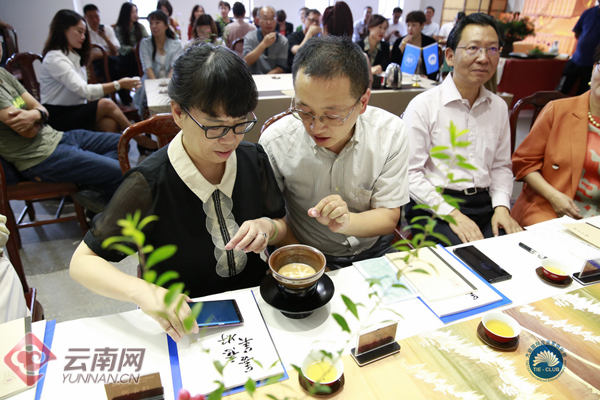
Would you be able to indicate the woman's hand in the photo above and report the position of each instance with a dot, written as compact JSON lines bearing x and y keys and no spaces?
{"x":564,"y":205}
{"x":376,"y":70}
{"x":152,"y":302}
{"x":253,"y":236}
{"x":130,"y":83}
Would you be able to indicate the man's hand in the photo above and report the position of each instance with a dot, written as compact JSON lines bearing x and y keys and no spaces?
{"x":22,"y":120}
{"x":465,"y":228}
{"x":312,"y":31}
{"x":502,"y":219}
{"x":564,"y":205}
{"x":269,"y":39}
{"x":333,"y":212}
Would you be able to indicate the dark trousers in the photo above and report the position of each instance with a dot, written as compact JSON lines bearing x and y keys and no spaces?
{"x":382,"y":246}
{"x":477,"y":207}
{"x":571,"y":73}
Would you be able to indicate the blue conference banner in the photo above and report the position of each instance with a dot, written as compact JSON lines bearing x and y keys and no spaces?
{"x":430,"y":55}
{"x":410,"y":59}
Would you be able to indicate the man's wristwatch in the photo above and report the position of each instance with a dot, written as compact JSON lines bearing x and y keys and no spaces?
{"x":117,"y":86}
{"x":43,"y":116}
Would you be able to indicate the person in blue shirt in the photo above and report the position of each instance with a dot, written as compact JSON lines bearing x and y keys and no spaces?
{"x":587,"y":32}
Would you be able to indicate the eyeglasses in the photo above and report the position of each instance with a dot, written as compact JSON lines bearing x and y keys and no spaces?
{"x":312,"y":20}
{"x":328,"y":120}
{"x":492,"y":51}
{"x":216,"y":132}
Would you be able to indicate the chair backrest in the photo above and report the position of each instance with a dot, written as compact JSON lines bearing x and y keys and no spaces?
{"x":537,"y":100}
{"x":10,"y":40}
{"x":238,"y":45}
{"x":93,"y":78}
{"x":274,"y":119}
{"x":23,"y":62}
{"x":161,"y":125}
{"x":137,"y":58}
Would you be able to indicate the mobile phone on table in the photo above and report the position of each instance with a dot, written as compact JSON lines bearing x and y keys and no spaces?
{"x":219,"y":313}
{"x":480,"y":263}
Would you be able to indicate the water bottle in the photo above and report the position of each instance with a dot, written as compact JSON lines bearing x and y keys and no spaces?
{"x":554,"y":48}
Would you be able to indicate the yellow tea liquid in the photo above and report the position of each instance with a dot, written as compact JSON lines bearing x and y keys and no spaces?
{"x":296,"y":270}
{"x":321,"y":371}
{"x":500,"y":328}
{"x":555,"y":270}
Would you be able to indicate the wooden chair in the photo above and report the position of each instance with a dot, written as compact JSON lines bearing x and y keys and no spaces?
{"x":238,"y":43}
{"x":161,"y":125}
{"x":274,"y":119}
{"x":138,"y":59}
{"x":131,"y":113}
{"x":12,"y":46}
{"x":22,"y":63}
{"x":537,"y":100}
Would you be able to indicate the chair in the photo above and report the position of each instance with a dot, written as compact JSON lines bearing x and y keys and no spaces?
{"x":274,"y":119}
{"x":22,"y":63}
{"x":137,"y":58}
{"x":238,"y":41}
{"x":12,"y":45}
{"x":131,"y":113}
{"x":161,"y":125}
{"x":538,"y":100}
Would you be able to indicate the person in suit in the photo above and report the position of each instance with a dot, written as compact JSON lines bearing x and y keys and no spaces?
{"x":558,"y":159}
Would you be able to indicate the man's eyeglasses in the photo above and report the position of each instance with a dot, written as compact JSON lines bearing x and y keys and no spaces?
{"x":492,"y":51}
{"x":216,"y":132}
{"x":329,"y":120}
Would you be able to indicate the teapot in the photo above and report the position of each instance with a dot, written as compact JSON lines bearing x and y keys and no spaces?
{"x":393,"y":76}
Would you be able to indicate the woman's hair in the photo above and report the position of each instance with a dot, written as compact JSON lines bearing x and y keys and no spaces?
{"x":123,"y":23}
{"x":160,"y":16}
{"x":167,"y":5}
{"x":224,"y":3}
{"x":206,"y":20}
{"x":338,"y":20}
{"x":376,"y":20}
{"x":281,"y":16}
{"x":192,"y":18}
{"x":416,"y":16}
{"x":57,"y":38}
{"x":214,"y":80}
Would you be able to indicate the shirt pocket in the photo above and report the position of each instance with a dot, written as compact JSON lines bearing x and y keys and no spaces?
{"x":361,"y":201}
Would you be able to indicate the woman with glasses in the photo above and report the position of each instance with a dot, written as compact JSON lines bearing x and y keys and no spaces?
{"x":415,"y":21}
{"x":157,"y":54}
{"x":214,"y":195}
{"x":558,"y":160}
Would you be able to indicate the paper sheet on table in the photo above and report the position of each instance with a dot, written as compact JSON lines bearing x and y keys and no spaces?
{"x":382,"y":268}
{"x":439,"y":282}
{"x":238,"y":346}
{"x":586,"y":231}
{"x":114,"y":348}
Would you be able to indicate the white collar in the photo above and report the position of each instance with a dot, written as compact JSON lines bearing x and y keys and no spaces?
{"x":189,"y":174}
{"x":450,"y":92}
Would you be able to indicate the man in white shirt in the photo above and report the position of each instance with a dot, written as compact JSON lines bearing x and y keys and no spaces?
{"x":431,"y":28}
{"x":397,"y":28}
{"x":104,"y":35}
{"x":341,"y":165}
{"x":462,"y":101}
{"x":360,"y":26}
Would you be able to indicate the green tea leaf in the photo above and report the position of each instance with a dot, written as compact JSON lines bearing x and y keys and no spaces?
{"x":341,"y":322}
{"x":174,"y":291}
{"x":218,"y":366}
{"x":250,"y":387}
{"x":436,"y":149}
{"x":123,"y":249}
{"x":466,"y":166}
{"x":460,"y":158}
{"x":462,"y":144}
{"x":166,"y":277}
{"x":441,"y":156}
{"x":147,"y":220}
{"x":114,"y":239}
{"x":147,"y":249}
{"x":218,"y":393}
{"x":161,"y":254}
{"x":150,"y":276}
{"x":273,"y":379}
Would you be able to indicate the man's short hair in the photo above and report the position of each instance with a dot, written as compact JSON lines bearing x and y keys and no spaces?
{"x":90,"y":7}
{"x":416,"y":16}
{"x":311,"y":10}
{"x":238,"y":9}
{"x":368,"y":7}
{"x":330,"y":57}
{"x":224,"y":3}
{"x":396,"y":10}
{"x":480,"y":19}
{"x":430,"y":8}
{"x":255,"y":11}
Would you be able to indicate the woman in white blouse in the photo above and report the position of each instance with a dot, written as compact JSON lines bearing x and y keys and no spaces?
{"x":72,"y":102}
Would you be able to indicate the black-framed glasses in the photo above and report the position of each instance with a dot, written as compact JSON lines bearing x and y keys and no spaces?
{"x":216,"y":132}
{"x":492,"y":51}
{"x":328,"y":120}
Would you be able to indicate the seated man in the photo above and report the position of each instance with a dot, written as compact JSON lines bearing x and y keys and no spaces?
{"x":43,"y":154}
{"x":312,"y":27}
{"x":239,"y":28}
{"x":266,"y":51}
{"x":341,"y":165}
{"x":104,"y":35}
{"x":473,"y":51}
